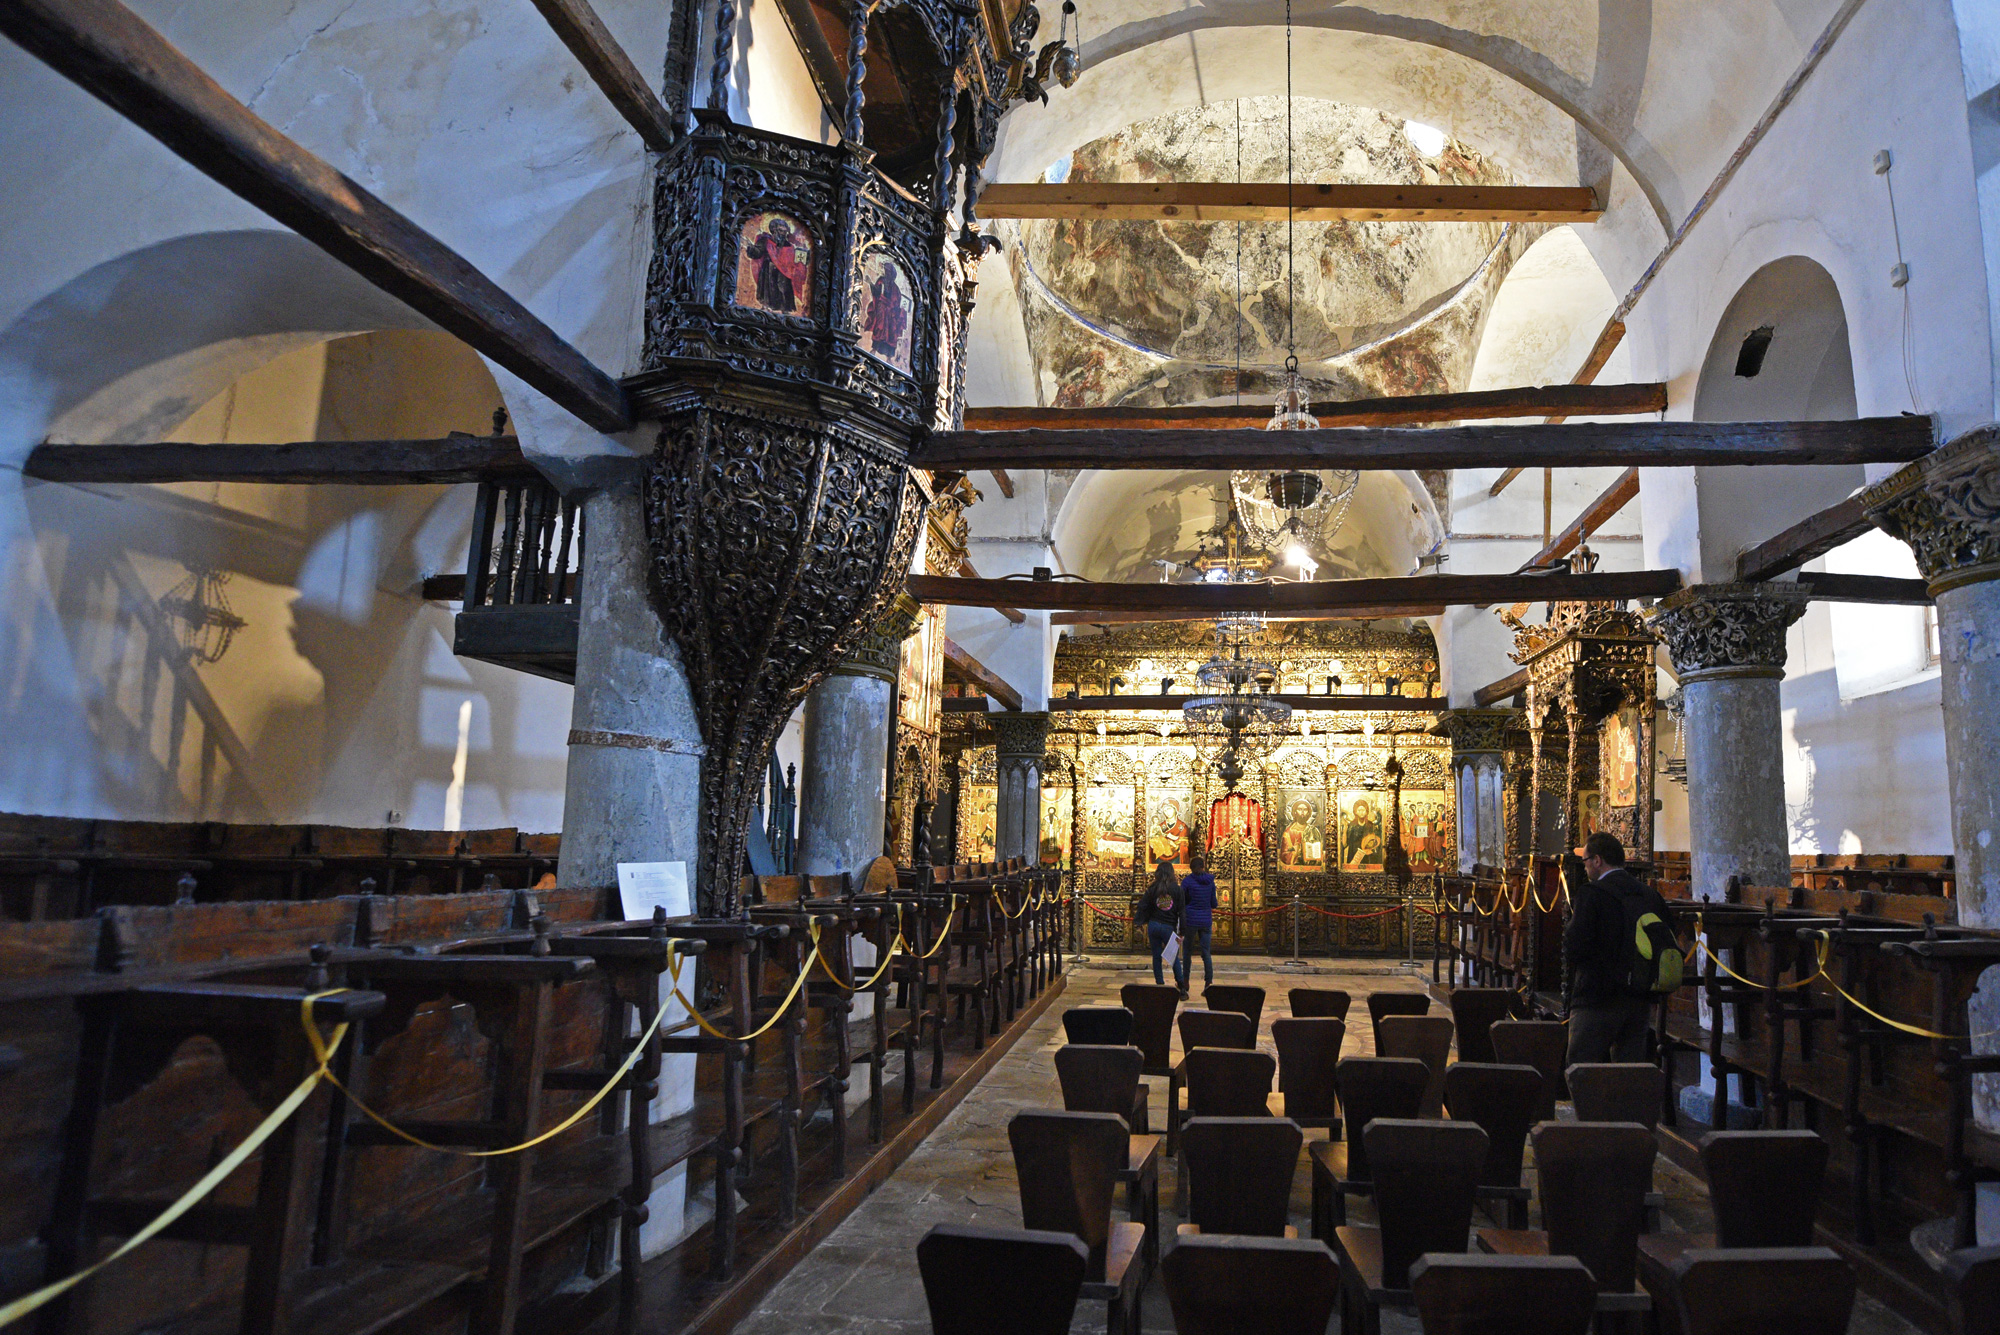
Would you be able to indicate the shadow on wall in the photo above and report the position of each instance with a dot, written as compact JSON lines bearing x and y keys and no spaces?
{"x":261,"y":653}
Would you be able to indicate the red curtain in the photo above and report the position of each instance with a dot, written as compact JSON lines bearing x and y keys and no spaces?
{"x":1236,"y":816}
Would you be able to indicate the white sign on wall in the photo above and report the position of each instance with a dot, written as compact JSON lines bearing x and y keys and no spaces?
{"x":644,"y":886}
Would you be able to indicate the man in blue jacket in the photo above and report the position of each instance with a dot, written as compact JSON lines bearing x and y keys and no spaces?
{"x":1198,"y":919}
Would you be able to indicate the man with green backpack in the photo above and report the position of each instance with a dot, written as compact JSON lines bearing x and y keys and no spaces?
{"x":1622,"y":954}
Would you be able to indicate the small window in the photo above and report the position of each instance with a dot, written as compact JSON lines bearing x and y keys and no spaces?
{"x":1932,"y":644}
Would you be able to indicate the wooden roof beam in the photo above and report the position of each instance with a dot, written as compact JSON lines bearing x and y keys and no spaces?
{"x":1594,"y":516}
{"x":968,"y":668}
{"x":1400,"y":410}
{"x":1208,"y":600}
{"x":456,"y":458}
{"x":1608,"y":340}
{"x":1506,"y":688}
{"x":1302,"y":201}
{"x":579,"y":28}
{"x":1348,"y":614}
{"x":1810,"y":538}
{"x":1572,"y":445}
{"x":118,"y":58}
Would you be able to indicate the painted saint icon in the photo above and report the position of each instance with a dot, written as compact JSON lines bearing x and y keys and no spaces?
{"x":775,"y":271}
{"x":885,"y":309}
{"x":1361,"y":841}
{"x":1302,"y":847}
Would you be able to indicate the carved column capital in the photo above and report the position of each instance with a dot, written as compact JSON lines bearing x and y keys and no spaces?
{"x":1728,"y":630}
{"x":880,"y":653}
{"x":1946,"y":506}
{"x":1019,"y":737}
{"x":1477,"y":731}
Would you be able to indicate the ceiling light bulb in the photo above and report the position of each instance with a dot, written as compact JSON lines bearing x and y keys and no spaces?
{"x":1297,"y":555}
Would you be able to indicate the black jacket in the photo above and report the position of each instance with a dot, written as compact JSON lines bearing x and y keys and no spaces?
{"x":1148,"y":909}
{"x":1595,"y":945}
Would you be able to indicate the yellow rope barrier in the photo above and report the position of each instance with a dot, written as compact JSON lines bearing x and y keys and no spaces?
{"x":1826,"y":940}
{"x":674,"y":967}
{"x":943,"y":936}
{"x":1025,"y":906}
{"x":1818,"y":969}
{"x":234,"y":1160}
{"x":888,"y":958}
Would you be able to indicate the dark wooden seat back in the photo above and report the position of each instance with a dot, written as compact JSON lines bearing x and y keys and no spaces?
{"x":1426,"y":1175}
{"x":1308,"y":1057}
{"x":1372,"y":1087}
{"x":1229,"y":1082}
{"x":1426,"y":1038}
{"x":1972,"y":1290}
{"x":1394,"y":1003}
{"x":1501,"y":1101}
{"x":1227,"y":1285}
{"x":1068,"y":1165}
{"x":1617,"y":1092}
{"x":1242,"y":999}
{"x":1216,"y":1029}
{"x":1542,"y":1044}
{"x":1503,"y":1295}
{"x":1097,"y":1024}
{"x":1239,"y":1172}
{"x":1765,"y":1185}
{"x":1763,"y":1291}
{"x":1593,"y":1178}
{"x":1319,"y":1003}
{"x":1099,"y":1077}
{"x":1474,"y":1010}
{"x":1152,"y":1006}
{"x":1001,"y":1281}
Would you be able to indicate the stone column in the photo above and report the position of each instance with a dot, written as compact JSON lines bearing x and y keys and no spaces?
{"x":850,"y":718}
{"x":1947,"y":507}
{"x":633,"y":789}
{"x":1728,"y":645}
{"x":1019,"y":741}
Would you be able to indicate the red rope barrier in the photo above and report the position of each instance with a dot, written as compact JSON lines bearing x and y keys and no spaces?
{"x":1102,"y":914}
{"x":1352,"y":917}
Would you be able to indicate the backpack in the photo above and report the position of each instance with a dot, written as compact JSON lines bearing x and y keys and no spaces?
{"x":1656,"y":961}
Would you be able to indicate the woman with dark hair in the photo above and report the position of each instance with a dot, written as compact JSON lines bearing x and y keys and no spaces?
{"x":1160,"y":914}
{"x":1198,"y":921}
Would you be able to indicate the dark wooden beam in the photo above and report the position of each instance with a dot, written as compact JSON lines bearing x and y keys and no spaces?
{"x":1608,"y":340}
{"x":1208,"y":600}
{"x":456,"y":458}
{"x":114,"y":55}
{"x":1400,"y":410}
{"x":1507,"y":687}
{"x":1812,"y":537}
{"x":1303,"y":201}
{"x":1594,"y":516}
{"x":1328,"y":703}
{"x":1006,"y":483}
{"x":1347,"y":614}
{"x":1830,"y":588}
{"x":577,"y":24}
{"x":970,"y":669}
{"x":1574,"y":445}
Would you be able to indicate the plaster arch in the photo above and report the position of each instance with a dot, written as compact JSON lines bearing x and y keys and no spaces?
{"x":1499,"y":95}
{"x":129,"y":348}
{"x":1112,"y":525}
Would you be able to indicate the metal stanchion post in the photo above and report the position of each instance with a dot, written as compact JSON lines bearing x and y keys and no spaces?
{"x":1409,"y":930}
{"x":1297,"y":961}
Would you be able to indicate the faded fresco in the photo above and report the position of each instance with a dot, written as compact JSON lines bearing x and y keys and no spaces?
{"x":1621,"y":758}
{"x":774,"y":271}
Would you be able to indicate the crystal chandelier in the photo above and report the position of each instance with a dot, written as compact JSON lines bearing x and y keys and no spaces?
{"x":1296,"y":512}
{"x":1237,"y":719}
{"x":207,"y":625}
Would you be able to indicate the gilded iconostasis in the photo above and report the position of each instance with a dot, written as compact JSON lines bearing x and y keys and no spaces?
{"x":1315,"y":818}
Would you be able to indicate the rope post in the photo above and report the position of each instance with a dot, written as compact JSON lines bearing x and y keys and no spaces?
{"x":1296,"y":958}
{"x":1409,"y":930}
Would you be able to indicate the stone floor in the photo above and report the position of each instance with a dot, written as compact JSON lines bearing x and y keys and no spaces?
{"x":863,"y":1279}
